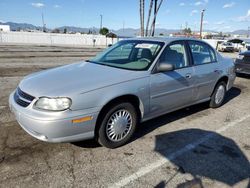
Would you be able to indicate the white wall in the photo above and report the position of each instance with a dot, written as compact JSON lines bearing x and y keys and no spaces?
{"x":63,"y":39}
{"x":4,"y":28}
{"x":54,"y":39}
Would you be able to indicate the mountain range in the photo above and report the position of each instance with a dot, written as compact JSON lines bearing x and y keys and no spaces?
{"x":121,"y":32}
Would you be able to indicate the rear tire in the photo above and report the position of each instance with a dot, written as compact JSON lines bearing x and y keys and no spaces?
{"x":218,"y":95}
{"x":117,"y":125}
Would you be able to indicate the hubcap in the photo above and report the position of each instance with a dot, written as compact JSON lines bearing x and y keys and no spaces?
{"x":119,"y":125}
{"x":219,"y":94}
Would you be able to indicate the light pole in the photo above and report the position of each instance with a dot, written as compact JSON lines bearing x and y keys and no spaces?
{"x":44,"y":25}
{"x":202,"y":15}
{"x":101,"y":21}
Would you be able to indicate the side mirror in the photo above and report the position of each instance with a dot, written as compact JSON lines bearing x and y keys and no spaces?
{"x":164,"y":67}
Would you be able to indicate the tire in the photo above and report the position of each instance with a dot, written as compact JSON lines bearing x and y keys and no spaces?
{"x":218,"y":95}
{"x":126,"y":115}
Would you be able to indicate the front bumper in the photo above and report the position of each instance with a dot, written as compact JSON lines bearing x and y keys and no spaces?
{"x":60,"y":128}
{"x":242,"y":71}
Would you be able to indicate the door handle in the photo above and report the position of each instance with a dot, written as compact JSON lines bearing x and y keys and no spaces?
{"x":216,"y":70}
{"x":188,"y":75}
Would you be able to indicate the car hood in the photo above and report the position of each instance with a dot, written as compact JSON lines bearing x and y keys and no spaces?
{"x":75,"y":78}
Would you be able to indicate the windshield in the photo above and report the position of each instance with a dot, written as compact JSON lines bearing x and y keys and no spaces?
{"x":129,"y":54}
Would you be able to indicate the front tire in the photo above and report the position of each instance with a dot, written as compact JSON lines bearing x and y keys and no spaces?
{"x":117,"y":125}
{"x":218,"y":95}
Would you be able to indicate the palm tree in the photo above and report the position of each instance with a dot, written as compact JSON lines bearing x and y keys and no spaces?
{"x":142,"y":2}
{"x":149,"y":16}
{"x":152,"y":30}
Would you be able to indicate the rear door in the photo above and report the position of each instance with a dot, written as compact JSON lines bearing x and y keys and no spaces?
{"x":172,"y":89}
{"x":206,"y":69}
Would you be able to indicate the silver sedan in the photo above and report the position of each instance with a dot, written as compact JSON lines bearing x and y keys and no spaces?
{"x":132,"y":81}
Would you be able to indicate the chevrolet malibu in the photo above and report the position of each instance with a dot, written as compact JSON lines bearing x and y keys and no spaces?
{"x":132,"y":81}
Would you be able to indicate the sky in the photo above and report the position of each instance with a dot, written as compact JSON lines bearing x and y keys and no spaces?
{"x":220,"y":15}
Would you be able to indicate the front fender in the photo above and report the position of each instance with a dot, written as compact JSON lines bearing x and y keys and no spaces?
{"x":99,"y":97}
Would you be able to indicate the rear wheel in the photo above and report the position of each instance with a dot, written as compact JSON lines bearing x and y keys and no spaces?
{"x":218,"y":95}
{"x":117,"y":125}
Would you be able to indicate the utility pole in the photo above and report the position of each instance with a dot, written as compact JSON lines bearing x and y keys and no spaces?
{"x":123,"y":26}
{"x":248,"y":36}
{"x":44,"y":28}
{"x":101,"y":22}
{"x":202,"y":15}
{"x":155,"y":10}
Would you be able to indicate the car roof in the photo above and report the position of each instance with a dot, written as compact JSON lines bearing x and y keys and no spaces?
{"x":164,"y":39}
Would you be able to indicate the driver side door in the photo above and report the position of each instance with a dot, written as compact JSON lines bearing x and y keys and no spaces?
{"x":172,"y":89}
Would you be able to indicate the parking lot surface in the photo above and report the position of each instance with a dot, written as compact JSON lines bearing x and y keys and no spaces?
{"x":192,"y":147}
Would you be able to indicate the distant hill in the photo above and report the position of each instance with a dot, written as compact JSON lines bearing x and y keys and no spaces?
{"x":21,"y":26}
{"x":239,"y":32}
{"x":121,"y":32}
{"x":78,"y":29}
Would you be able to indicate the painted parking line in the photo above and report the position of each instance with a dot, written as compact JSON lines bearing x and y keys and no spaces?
{"x":163,"y":160}
{"x":2,"y":107}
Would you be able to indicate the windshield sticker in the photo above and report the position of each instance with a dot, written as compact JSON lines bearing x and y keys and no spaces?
{"x":144,"y":45}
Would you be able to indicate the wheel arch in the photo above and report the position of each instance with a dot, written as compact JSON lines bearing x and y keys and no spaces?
{"x":131,"y":98}
{"x":221,"y":79}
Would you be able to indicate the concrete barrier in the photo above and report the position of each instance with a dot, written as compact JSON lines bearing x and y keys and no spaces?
{"x":55,"y":39}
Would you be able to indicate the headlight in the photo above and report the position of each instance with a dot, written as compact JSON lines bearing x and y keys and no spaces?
{"x":240,"y":56}
{"x":53,"y":104}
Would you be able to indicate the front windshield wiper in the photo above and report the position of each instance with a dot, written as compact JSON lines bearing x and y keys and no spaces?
{"x":98,"y":63}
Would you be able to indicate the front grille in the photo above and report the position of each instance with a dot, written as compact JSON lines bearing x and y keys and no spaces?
{"x":247,"y":59}
{"x":22,"y":98}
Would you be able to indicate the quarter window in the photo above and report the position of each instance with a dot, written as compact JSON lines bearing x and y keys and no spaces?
{"x":175,"y":54}
{"x":202,"y":53}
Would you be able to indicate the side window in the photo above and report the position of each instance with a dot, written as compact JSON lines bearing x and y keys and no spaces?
{"x":175,"y":54}
{"x":212,"y":54}
{"x":202,"y":53}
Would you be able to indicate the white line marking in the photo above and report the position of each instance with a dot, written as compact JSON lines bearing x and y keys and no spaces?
{"x":146,"y":169}
{"x":2,"y":107}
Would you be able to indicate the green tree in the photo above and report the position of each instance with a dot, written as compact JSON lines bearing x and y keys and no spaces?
{"x":55,"y":30}
{"x":65,"y":30}
{"x":104,"y":31}
{"x":187,"y":31}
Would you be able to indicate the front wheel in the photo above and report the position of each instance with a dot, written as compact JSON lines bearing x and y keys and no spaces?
{"x":218,"y":95}
{"x":117,"y":125}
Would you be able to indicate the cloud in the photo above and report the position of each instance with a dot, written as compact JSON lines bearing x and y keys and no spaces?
{"x":219,"y":23}
{"x":198,"y":3}
{"x":193,"y":12}
{"x":182,"y":4}
{"x":167,"y":11}
{"x":245,"y":18}
{"x":205,"y":22}
{"x":57,"y":6}
{"x":2,"y":21}
{"x":38,"y":5}
{"x":229,"y":5}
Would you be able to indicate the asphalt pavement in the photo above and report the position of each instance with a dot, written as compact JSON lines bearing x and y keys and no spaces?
{"x":192,"y":147}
